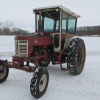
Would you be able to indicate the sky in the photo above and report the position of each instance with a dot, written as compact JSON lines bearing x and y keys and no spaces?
{"x":20,"y":12}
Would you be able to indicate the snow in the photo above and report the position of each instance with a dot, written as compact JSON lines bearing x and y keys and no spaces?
{"x":62,"y":85}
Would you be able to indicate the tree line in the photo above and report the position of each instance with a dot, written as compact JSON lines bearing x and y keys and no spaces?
{"x":88,"y":31}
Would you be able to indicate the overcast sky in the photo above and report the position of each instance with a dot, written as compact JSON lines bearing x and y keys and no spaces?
{"x":20,"y":12}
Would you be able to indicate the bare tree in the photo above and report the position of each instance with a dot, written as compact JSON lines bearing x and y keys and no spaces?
{"x":0,"y":28}
{"x":0,"y":23}
{"x":7,"y":26}
{"x":18,"y":31}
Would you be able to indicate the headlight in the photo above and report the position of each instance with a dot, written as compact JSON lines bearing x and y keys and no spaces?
{"x":57,"y":9}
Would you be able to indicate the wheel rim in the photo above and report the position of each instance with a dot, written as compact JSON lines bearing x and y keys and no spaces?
{"x":80,"y":56}
{"x":3,"y":74}
{"x":42,"y":83}
{"x":44,"y":62}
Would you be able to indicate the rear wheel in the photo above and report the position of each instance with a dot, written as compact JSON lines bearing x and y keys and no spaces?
{"x":76,"y":56}
{"x":39,"y":82}
{"x":4,"y":71}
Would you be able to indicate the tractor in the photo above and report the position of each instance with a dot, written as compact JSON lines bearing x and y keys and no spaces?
{"x":53,"y":42}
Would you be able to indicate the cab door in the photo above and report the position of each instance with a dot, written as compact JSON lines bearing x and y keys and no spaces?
{"x":68,"y":29}
{"x":71,"y":30}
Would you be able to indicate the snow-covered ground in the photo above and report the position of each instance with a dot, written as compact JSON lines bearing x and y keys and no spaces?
{"x":62,"y":85}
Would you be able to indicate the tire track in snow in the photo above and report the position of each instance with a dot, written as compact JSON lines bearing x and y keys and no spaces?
{"x":90,"y":95}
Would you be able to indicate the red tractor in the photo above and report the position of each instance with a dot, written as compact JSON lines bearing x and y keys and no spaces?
{"x":53,"y":42}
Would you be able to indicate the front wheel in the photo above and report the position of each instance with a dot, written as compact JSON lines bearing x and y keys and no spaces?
{"x":39,"y":82}
{"x":4,"y":71}
{"x":44,"y":63}
{"x":76,"y":56}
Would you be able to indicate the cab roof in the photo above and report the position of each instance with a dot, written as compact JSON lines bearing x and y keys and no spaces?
{"x":60,"y":7}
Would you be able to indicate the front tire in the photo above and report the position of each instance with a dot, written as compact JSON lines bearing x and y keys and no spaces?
{"x":44,"y":63}
{"x":76,"y":56}
{"x":4,"y":71}
{"x":39,"y":82}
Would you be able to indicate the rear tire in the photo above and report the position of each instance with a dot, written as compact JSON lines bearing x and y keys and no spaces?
{"x":4,"y":71}
{"x":76,"y":56}
{"x":39,"y":82}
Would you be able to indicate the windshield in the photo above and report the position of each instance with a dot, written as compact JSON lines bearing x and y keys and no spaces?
{"x":50,"y":21}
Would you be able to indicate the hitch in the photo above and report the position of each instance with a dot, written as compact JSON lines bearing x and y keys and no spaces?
{"x":63,"y":69}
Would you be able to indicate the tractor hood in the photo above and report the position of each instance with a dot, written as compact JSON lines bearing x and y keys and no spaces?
{"x":36,"y":39}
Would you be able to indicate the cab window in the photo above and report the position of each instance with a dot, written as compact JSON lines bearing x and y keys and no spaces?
{"x":71,"y":24}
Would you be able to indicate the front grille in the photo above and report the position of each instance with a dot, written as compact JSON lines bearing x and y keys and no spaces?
{"x":21,"y":48}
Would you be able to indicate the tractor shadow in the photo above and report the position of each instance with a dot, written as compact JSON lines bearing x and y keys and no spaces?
{"x":55,"y":71}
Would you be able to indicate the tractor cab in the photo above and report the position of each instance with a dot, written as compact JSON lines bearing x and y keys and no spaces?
{"x":57,"y":21}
